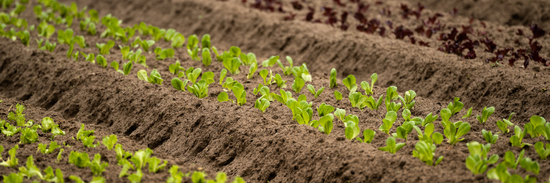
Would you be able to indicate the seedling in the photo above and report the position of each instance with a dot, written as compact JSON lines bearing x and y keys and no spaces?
{"x":301,"y":72}
{"x":530,"y":165}
{"x":453,"y":131}
{"x":429,"y":135}
{"x":352,"y":126}
{"x":140,"y":158}
{"x":536,"y":122}
{"x":368,"y":136}
{"x":232,"y":65}
{"x":24,"y":36}
{"x":404,"y":130}
{"x":544,"y":131}
{"x":240,"y":93}
{"x":369,"y":88}
{"x":205,"y":41}
{"x":543,"y":152}
{"x":510,"y":159}
{"x":489,"y":137}
{"x":110,"y":141}
{"x":29,"y":135}
{"x":155,"y":77}
{"x":357,"y":100}
{"x":44,"y":150}
{"x":337,"y":95}
{"x":9,"y":130}
{"x":96,"y":165}
{"x":503,"y":125}
{"x":429,"y":119}
{"x":248,"y":59}
{"x":312,"y":90}
{"x":391,"y":145}
{"x":80,"y":160}
{"x":324,"y":109}
{"x":388,"y":121}
{"x":104,"y":48}
{"x":146,"y":44}
{"x":282,"y":83}
{"x":298,"y":85}
{"x":31,"y":170}
{"x":468,"y":114}
{"x":155,"y":166}
{"x":223,"y":73}
{"x":45,"y":30}
{"x":252,"y":70}
{"x":12,"y":161}
{"x":477,"y":161}
{"x":455,"y":106}
{"x":325,"y":124}
{"x":284,"y":97}
{"x":192,"y":42}
{"x":18,"y":116}
{"x":425,"y":151}
{"x":262,"y":104}
{"x":333,"y":80}
{"x":121,"y":155}
{"x":163,"y":54}
{"x":264,"y":73}
{"x":177,"y":41}
{"x":176,"y":68}
{"x":391,"y":94}
{"x":126,"y":68}
{"x":288,"y":69}
{"x":302,"y":111}
{"x":501,"y":173}
{"x":101,"y":61}
{"x":408,"y":101}
{"x":349,"y":82}
{"x":517,"y":138}
{"x":199,"y":89}
{"x":485,"y":114}
{"x":270,"y":62}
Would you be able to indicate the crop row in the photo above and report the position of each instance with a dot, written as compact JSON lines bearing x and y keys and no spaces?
{"x":302,"y":110}
{"x":450,"y":39}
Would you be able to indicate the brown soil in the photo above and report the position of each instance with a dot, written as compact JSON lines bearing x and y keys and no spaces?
{"x":240,"y":140}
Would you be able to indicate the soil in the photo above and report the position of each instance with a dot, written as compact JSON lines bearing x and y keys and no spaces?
{"x":203,"y":134}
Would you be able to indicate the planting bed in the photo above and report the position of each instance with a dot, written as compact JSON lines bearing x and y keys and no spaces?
{"x":202,"y":134}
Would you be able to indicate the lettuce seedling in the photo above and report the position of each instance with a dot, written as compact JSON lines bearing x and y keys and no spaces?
{"x":324,"y":124}
{"x":206,"y":58}
{"x":193,"y":74}
{"x":368,"y":136}
{"x":209,"y":77}
{"x":177,"y":41}
{"x":12,"y":161}
{"x":312,"y":90}
{"x":503,"y":125}
{"x":223,"y":73}
{"x":357,"y":100}
{"x":110,"y":141}
{"x":80,"y":160}
{"x":18,"y":116}
{"x":223,"y":97}
{"x":162,"y":54}
{"x":154,"y":164}
{"x":284,"y":97}
{"x":51,"y":177}
{"x":235,"y":51}
{"x":232,"y":65}
{"x":543,"y":152}
{"x":337,"y":95}
{"x":301,"y":110}
{"x":240,"y":93}
{"x":59,"y":155}
{"x":324,"y":109}
{"x":271,"y":61}
{"x":429,"y":119}
{"x":298,"y":85}
{"x":89,"y":58}
{"x":301,"y":72}
{"x":453,"y":131}
{"x":517,"y":138}
{"x":408,"y":101}
{"x":248,"y":59}
{"x":510,"y":159}
{"x":535,"y":122}
{"x":392,"y":146}
{"x":146,"y":44}
{"x":388,"y":121}
{"x":82,"y":132}
{"x":349,"y":82}
{"x":65,"y":37}
{"x":10,"y":130}
{"x":13,"y":177}
{"x":489,"y":137}
{"x":252,"y":70}
{"x":31,"y":169}
{"x":544,"y":130}
{"x":456,"y":106}
{"x":264,"y":73}
{"x":126,"y":68}
{"x":154,"y":79}
{"x":530,"y":165}
{"x":141,"y":157}
{"x":352,"y":126}
{"x":175,"y":175}
{"x":205,"y":41}
{"x":425,"y":151}
{"x":257,"y":89}
{"x":429,"y":134}
{"x":468,"y":113}
{"x":44,"y":150}
{"x":89,"y":141}
{"x":178,"y":84}
{"x":25,"y":37}
{"x":333,"y":80}
{"x":28,"y":136}
{"x":199,"y":89}
{"x":373,"y":104}
{"x":45,"y":30}
{"x":485,"y":114}
{"x":501,"y":173}
{"x":477,"y":161}
{"x":262,"y":104}
{"x":365,"y":85}
{"x":404,"y":130}
{"x":192,"y":42}
{"x":121,"y":155}
{"x":175,"y":68}
{"x":391,"y":94}
{"x":104,"y":48}
{"x":101,"y":61}
{"x":96,"y":165}
{"x":157,"y":33}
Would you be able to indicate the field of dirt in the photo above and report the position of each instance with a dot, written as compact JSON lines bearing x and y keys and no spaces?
{"x":206,"y":135}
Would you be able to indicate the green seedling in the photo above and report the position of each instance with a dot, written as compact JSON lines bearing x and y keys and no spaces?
{"x":80,"y":160}
{"x":429,"y":119}
{"x":178,"y":84}
{"x":489,"y":137}
{"x":408,"y":101}
{"x":284,"y":97}
{"x":104,"y":48}
{"x":357,"y":100}
{"x":333,"y":80}
{"x":429,"y":134}
{"x":199,"y":89}
{"x":477,"y":161}
{"x":510,"y":160}
{"x":60,"y":155}
{"x":404,"y":130}
{"x":280,"y":82}
{"x":453,"y":131}
{"x":324,"y":109}
{"x":192,"y":42}
{"x":232,"y":65}
{"x":31,"y":169}
{"x":12,"y":161}
{"x":223,"y":73}
{"x":288,"y":69}
{"x":501,"y":173}
{"x":349,"y":82}
{"x":193,"y":74}
{"x":249,"y":59}
{"x":544,"y":130}
{"x":155,"y":77}
{"x":270,"y":62}
{"x":388,"y":121}
{"x":155,"y":166}
{"x":146,"y":44}
{"x":97,"y":166}
{"x":177,"y":41}
{"x":543,"y":152}
{"x":392,"y":146}
{"x":530,"y":165}
{"x":301,"y":72}
{"x":29,"y":135}
{"x":369,"y":88}
{"x":44,"y":150}
{"x":101,"y":61}
{"x":18,"y":116}
{"x":240,"y":93}
{"x":325,"y":124}
{"x":9,"y":130}
{"x":262,"y":104}
{"x":337,"y":95}
{"x":517,"y":138}
{"x":425,"y":151}
{"x":110,"y":141}
{"x":536,"y":122}
{"x":45,"y":30}
{"x":175,"y":68}
{"x":485,"y":114}
{"x":368,"y":136}
{"x":252,"y":70}
{"x":298,"y":85}
{"x":162,"y":54}
{"x":468,"y":114}
{"x":205,"y":41}
{"x":25,"y":37}
{"x":373,"y":104}
{"x":352,"y":126}
{"x":455,"y":106}
{"x":301,"y":110}
{"x":140,"y":158}
{"x":312,"y":89}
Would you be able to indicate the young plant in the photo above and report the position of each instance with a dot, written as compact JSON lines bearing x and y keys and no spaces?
{"x":349,"y":82}
{"x":146,"y":44}
{"x":9,"y":130}
{"x":280,"y":82}
{"x":232,"y":65}
{"x":388,"y":121}
{"x":96,"y":165}
{"x":369,"y":88}
{"x":489,"y":137}
{"x":429,"y":134}
{"x":301,"y":110}
{"x":337,"y":95}
{"x":312,"y":90}
{"x":425,"y":151}
{"x":262,"y":104}
{"x":324,"y":109}
{"x":352,"y":126}
{"x":536,"y":122}
{"x":298,"y":85}
{"x":485,"y":114}
{"x":126,"y":68}
{"x":192,"y":42}
{"x":429,"y":119}
{"x":468,"y":113}
{"x":503,"y":125}
{"x":29,"y":135}
{"x":333,"y":80}
{"x":101,"y":61}
{"x":288,"y":69}
{"x":477,"y":161}
{"x":408,"y":101}
{"x":543,"y":152}
{"x":12,"y":161}
{"x":121,"y":155}
{"x":517,"y":138}
{"x":510,"y":159}
{"x":44,"y":150}
{"x":453,"y":131}
{"x":31,"y":169}
{"x":140,"y":158}
{"x":199,"y":89}
{"x":80,"y":160}
{"x":110,"y":141}
{"x":163,"y":54}
{"x":324,"y":124}
{"x":25,"y":37}
{"x":391,"y":94}
{"x":177,"y":41}
{"x":248,"y":59}
{"x":155,"y":166}
{"x":455,"y":106}
{"x":284,"y":97}
{"x":154,"y":79}
{"x":368,"y":136}
{"x":530,"y":165}
{"x":104,"y":48}
{"x":175,"y":68}
{"x":193,"y":74}
{"x":358,"y":100}
{"x":18,"y":116}
{"x":392,"y":146}
{"x":240,"y":93}
{"x":544,"y":130}
{"x":501,"y":173}
{"x":252,"y":70}
{"x":404,"y":130}
{"x":270,"y":62}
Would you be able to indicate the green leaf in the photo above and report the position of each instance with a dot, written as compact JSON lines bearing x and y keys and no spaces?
{"x":271,"y":61}
{"x":81,"y":160}
{"x":223,"y":96}
{"x":391,"y":146}
{"x":368,"y":135}
{"x":101,"y":61}
{"x":206,"y":58}
{"x":110,"y":141}
{"x":192,"y":41}
{"x":205,"y":41}
{"x":298,"y":85}
{"x":337,"y":95}
{"x":155,"y":166}
{"x":232,"y":65}
{"x":468,"y":114}
{"x":349,"y":82}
